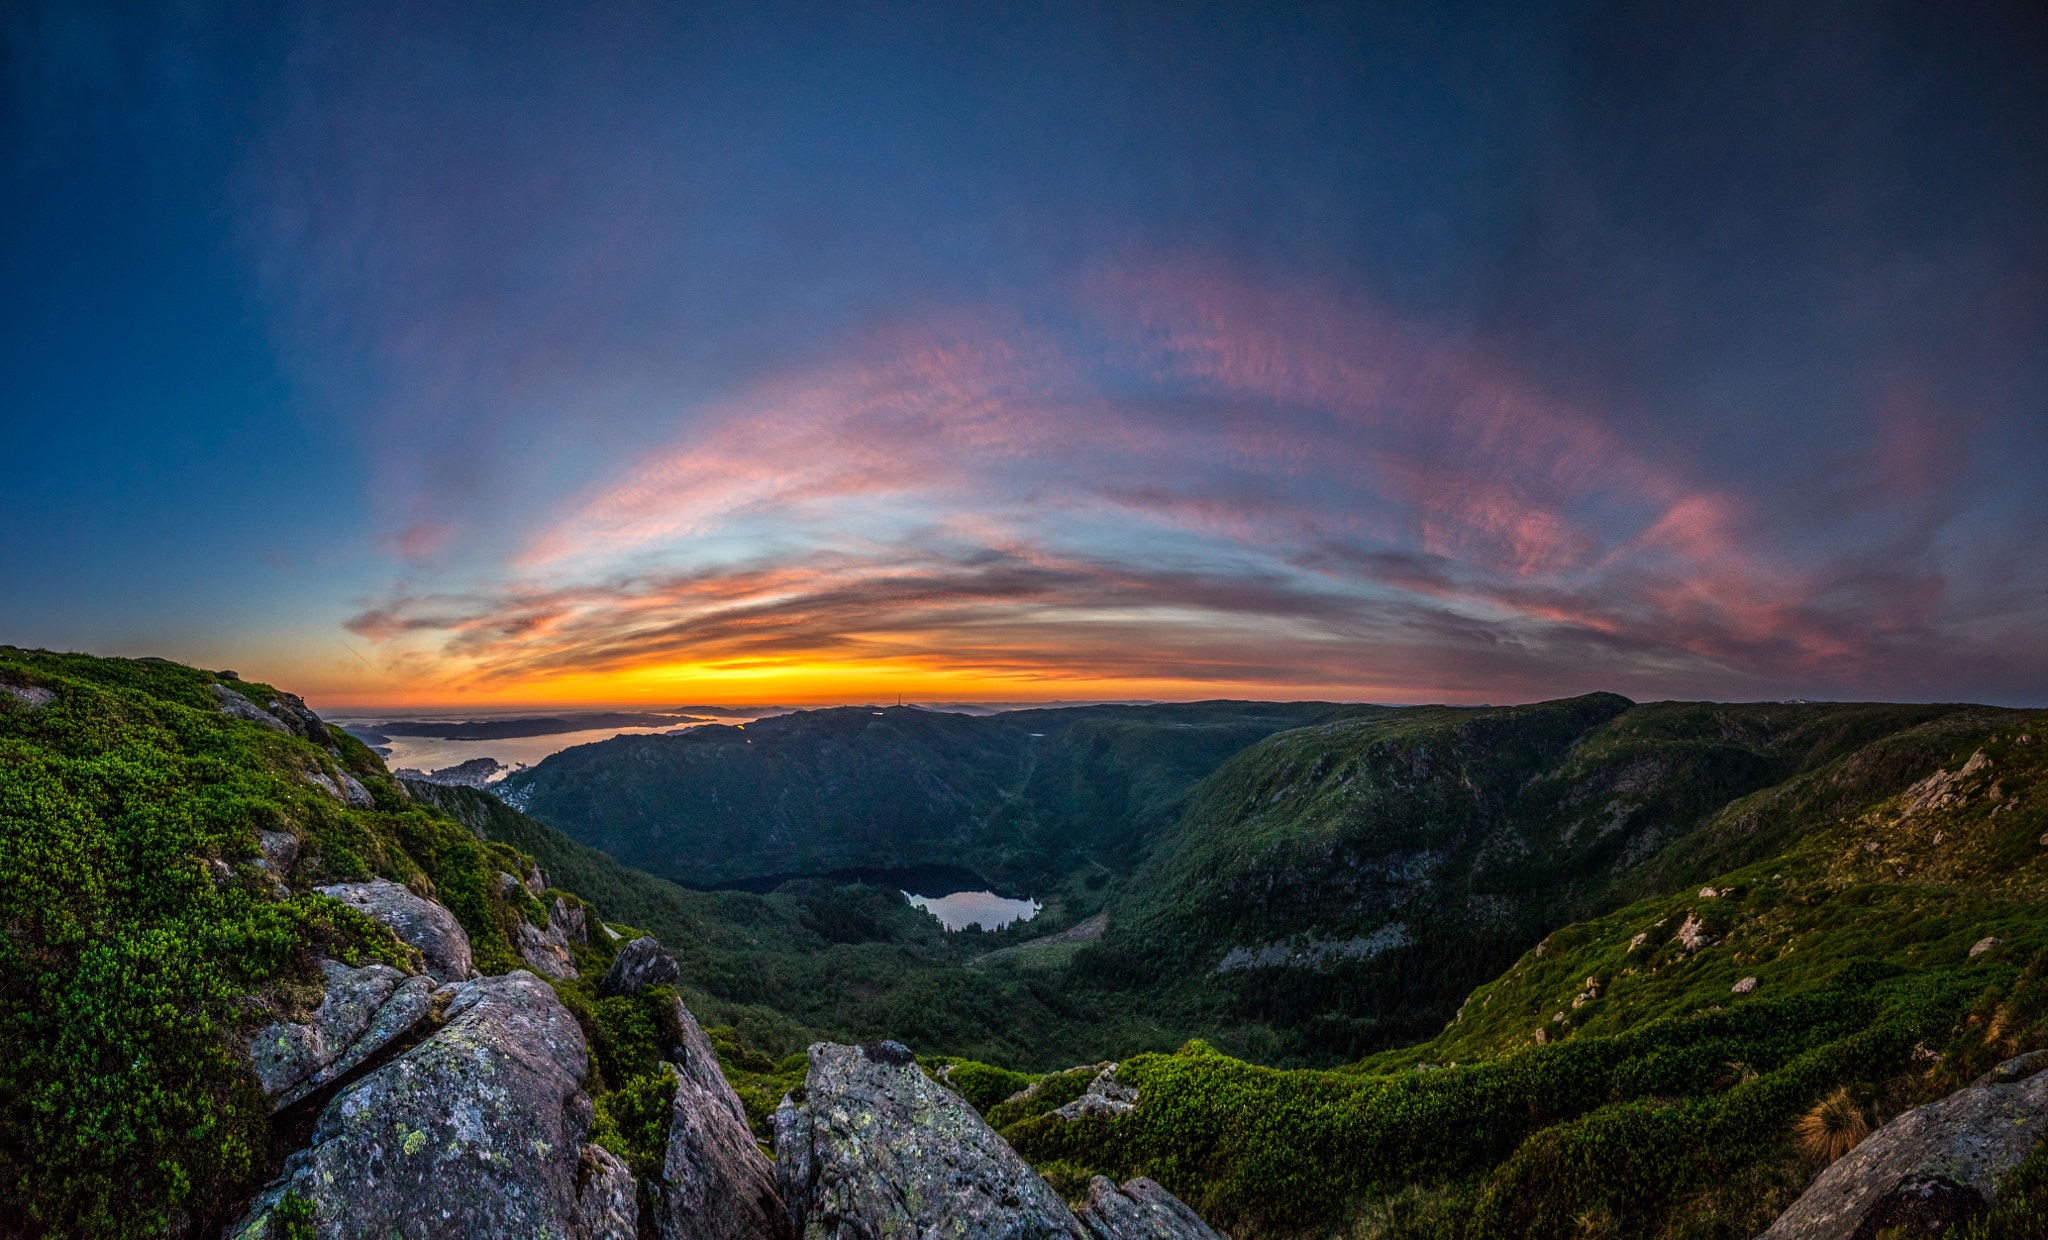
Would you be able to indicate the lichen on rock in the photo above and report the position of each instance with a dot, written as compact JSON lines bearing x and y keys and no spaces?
{"x":1936,"y":1164}
{"x":477,"y":1131}
{"x":418,"y":922}
{"x":1140,"y":1210}
{"x":874,"y":1147}
{"x":363,"y":1010}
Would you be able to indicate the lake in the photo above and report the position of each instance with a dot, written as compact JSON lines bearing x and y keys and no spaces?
{"x":957,"y":896}
{"x":984,"y":908}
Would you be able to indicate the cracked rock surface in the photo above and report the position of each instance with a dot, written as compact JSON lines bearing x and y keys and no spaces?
{"x":1938,"y":1163}
{"x":715,"y":1182}
{"x":477,"y":1131}
{"x":547,"y":952}
{"x":1140,"y":1210}
{"x":420,"y":923}
{"x":363,"y":1010}
{"x":875,"y":1148}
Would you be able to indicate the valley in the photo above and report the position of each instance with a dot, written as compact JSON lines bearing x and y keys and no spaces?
{"x":1580,"y":967}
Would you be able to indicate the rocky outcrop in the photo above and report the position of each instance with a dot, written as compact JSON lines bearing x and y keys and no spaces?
{"x":1940,"y":1163}
{"x":607,"y":1198}
{"x":363,"y":1010}
{"x":235,"y":706}
{"x":715,"y":1182}
{"x":547,"y":951}
{"x":30,"y":696}
{"x":638,"y":965}
{"x":1106,"y":1096}
{"x":477,"y":1131}
{"x":1140,"y":1210}
{"x":421,"y":923}
{"x":291,"y":710}
{"x":344,"y":787}
{"x":1693,"y":934}
{"x":873,"y":1147}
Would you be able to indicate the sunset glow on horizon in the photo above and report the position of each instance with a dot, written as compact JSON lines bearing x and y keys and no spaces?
{"x":621,"y":356}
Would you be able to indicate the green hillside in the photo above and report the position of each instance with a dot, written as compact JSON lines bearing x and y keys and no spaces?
{"x":1351,"y":881}
{"x":1639,"y":1073}
{"x":144,"y":934}
{"x":1585,"y":962}
{"x":1024,"y":798}
{"x":816,"y":960}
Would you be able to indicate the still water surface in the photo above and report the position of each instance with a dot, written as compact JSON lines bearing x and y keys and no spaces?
{"x":985,"y":908}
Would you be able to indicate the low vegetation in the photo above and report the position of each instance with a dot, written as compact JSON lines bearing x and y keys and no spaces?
{"x":1679,"y":1067}
{"x":1657,"y":964}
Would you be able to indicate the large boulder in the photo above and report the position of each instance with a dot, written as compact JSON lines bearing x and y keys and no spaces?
{"x":638,"y":965}
{"x":1140,"y":1210}
{"x":419,"y":922}
{"x":477,"y":1131}
{"x":715,"y":1182}
{"x":1940,"y":1163}
{"x":362,"y":1011}
{"x":875,"y":1148}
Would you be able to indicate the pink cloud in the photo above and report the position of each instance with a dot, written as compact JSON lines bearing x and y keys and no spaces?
{"x":1194,"y":464}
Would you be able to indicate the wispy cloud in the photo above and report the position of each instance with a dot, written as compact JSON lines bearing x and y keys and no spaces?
{"x":1191,"y":479}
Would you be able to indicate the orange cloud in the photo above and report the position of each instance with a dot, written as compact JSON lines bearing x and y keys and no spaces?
{"x":1196,"y":484}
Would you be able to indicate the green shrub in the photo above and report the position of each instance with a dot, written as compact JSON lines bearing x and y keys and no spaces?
{"x":982,"y":1085}
{"x":632,"y":1121}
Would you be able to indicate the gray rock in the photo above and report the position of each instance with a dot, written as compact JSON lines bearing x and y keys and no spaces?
{"x":291,"y":710}
{"x":536,"y":882}
{"x":547,"y":951}
{"x":1140,"y":1210}
{"x":235,"y":706}
{"x":570,"y":921}
{"x":1692,"y":933}
{"x":421,"y":923}
{"x":508,"y":886}
{"x":477,"y":1131}
{"x":342,"y":786}
{"x":544,"y":953}
{"x":30,"y":696}
{"x":715,"y":1183}
{"x":639,"y":964}
{"x":364,"y":1009}
{"x":1105,"y":1096}
{"x":280,"y":849}
{"x":875,"y":1148}
{"x":697,"y":1060}
{"x":608,"y":1199}
{"x":2015,"y":1070}
{"x":1936,"y":1163}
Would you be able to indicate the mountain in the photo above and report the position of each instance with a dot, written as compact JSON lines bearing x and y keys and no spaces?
{"x":1578,"y":968}
{"x":1023,"y":798}
{"x":1355,"y":879}
{"x":1683,"y":1064}
{"x":1303,"y":881}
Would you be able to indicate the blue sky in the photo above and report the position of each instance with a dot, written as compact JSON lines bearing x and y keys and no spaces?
{"x":621,"y":352}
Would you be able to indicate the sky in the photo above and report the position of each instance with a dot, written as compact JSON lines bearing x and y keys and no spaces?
{"x":506,"y":353}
